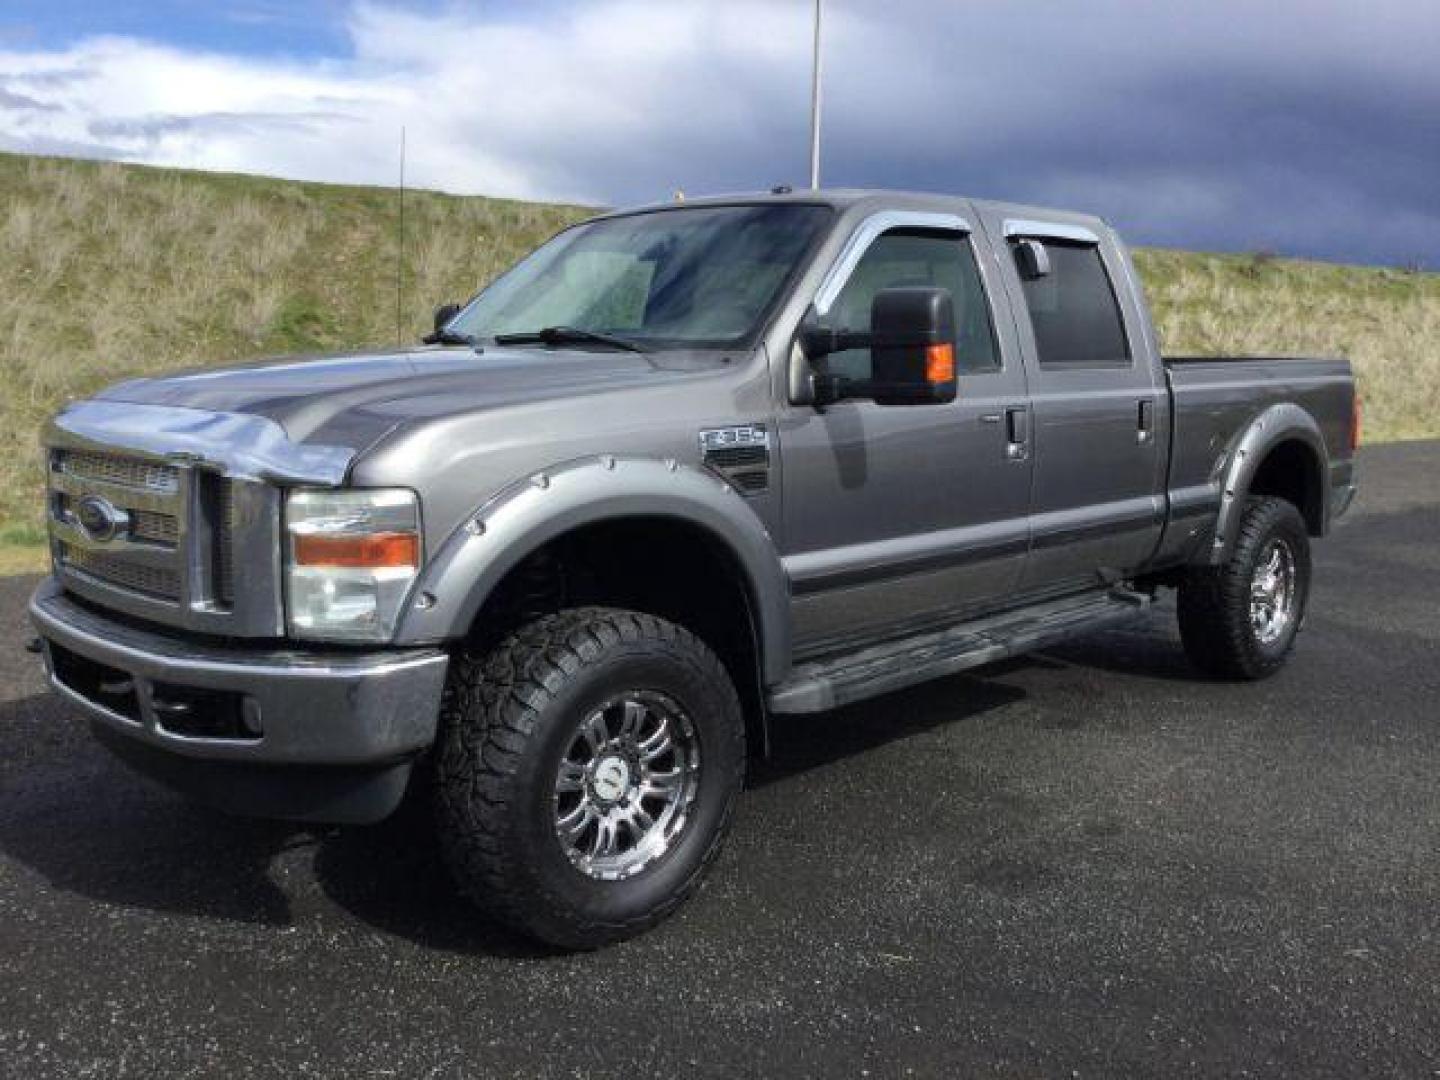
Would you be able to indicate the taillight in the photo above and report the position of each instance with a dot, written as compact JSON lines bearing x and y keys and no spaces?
{"x":1355,"y":423}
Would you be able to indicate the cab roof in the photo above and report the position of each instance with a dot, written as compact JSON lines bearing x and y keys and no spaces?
{"x":870,"y":199}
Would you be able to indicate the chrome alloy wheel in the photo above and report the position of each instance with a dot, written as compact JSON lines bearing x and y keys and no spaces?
{"x":1272,"y":592}
{"x":625,"y":785}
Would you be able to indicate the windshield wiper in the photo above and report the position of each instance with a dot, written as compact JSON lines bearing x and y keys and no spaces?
{"x":567,"y":335}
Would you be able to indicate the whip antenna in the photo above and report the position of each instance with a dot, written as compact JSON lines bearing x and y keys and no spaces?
{"x":817,"y":58}
{"x":400,"y":252}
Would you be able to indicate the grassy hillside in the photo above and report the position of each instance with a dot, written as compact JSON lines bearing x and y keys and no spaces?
{"x":1386,"y":321}
{"x":109,"y":271}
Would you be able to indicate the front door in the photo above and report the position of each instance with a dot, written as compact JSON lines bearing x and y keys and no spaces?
{"x":895,"y":516}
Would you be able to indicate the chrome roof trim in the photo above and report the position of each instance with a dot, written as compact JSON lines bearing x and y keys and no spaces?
{"x":1049,"y":230}
{"x":867,"y":232}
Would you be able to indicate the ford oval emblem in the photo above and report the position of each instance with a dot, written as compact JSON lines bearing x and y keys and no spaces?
{"x":98,"y":519}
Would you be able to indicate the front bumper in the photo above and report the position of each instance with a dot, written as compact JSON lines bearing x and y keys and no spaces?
{"x":273,"y":732}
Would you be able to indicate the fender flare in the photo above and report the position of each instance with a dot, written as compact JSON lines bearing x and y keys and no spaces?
{"x":1281,"y":422}
{"x":531,"y":512}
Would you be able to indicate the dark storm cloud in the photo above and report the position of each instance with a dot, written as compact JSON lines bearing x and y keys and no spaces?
{"x":1203,"y":147}
{"x":1311,"y":128}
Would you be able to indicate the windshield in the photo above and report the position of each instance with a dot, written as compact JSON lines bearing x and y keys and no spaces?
{"x":697,"y":277}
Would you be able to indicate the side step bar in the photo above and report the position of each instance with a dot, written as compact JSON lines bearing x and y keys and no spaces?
{"x":893,"y":665}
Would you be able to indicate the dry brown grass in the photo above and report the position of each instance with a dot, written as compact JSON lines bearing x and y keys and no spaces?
{"x":110,"y":271}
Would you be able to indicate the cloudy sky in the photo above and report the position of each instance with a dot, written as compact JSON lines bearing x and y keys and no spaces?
{"x":1309,"y":127}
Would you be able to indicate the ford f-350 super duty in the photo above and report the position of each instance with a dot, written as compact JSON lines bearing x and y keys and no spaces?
{"x":681,"y":471}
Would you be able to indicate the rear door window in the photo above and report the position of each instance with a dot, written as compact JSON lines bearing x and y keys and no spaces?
{"x":1073,"y":310}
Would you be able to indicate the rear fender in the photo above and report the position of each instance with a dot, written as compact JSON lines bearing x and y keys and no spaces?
{"x":1280,"y":423}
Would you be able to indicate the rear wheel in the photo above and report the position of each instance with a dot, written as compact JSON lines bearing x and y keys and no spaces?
{"x":1239,"y":620}
{"x":587,"y":770}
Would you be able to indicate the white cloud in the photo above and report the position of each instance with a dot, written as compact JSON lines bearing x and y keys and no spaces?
{"x":506,"y":108}
{"x":1222,"y":124}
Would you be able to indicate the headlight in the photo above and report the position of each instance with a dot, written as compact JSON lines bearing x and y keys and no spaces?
{"x":351,"y":559}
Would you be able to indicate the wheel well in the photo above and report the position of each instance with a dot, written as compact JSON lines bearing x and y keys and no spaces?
{"x":663,"y":566}
{"x":1291,"y":471}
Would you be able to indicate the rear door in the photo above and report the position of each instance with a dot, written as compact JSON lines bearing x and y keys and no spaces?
{"x":1097,"y":402}
{"x":898,"y":514}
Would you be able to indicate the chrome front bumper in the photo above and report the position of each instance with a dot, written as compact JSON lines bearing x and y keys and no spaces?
{"x":290,"y":711}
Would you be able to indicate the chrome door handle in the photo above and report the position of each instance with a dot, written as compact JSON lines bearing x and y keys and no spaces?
{"x":1145,"y":429}
{"x":1017,"y":432}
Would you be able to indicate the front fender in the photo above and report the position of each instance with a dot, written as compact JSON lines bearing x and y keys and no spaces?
{"x":1281,"y":422}
{"x":532,"y":512}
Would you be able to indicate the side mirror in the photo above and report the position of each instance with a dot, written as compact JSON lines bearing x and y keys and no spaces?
{"x":912,"y":350}
{"x":443,"y":314}
{"x":1032,"y":259}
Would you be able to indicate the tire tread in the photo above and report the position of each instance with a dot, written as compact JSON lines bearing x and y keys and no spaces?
{"x":1213,"y":602}
{"x":488,"y":718}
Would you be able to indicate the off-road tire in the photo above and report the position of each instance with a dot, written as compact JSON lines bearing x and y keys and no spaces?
{"x":1214,"y":602}
{"x":505,"y":722}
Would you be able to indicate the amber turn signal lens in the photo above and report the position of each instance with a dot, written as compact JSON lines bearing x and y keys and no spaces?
{"x":368,"y":551}
{"x":939,"y":363}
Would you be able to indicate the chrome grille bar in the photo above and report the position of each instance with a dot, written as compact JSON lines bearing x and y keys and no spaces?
{"x":225,"y":526}
{"x":118,"y":470}
{"x":130,"y":498}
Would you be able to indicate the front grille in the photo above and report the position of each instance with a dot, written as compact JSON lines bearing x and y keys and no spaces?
{"x":117,"y":570}
{"x":123,"y":471}
{"x":155,"y":528}
{"x":146,"y":502}
{"x":168,"y":539}
{"x":147,"y":526}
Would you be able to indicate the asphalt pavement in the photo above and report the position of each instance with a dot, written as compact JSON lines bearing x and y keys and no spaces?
{"x":1089,"y":863}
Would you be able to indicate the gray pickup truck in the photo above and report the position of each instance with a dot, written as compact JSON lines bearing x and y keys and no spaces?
{"x":681,"y":471}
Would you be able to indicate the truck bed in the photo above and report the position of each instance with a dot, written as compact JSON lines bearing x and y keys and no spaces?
{"x":1215,"y":398}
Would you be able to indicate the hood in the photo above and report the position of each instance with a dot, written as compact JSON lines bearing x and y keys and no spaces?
{"x":352,"y":401}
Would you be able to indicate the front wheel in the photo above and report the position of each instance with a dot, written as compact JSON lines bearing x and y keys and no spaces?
{"x":1239,"y":620}
{"x":587,"y":770}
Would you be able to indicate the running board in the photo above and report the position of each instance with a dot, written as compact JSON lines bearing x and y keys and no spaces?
{"x":893,"y":665}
